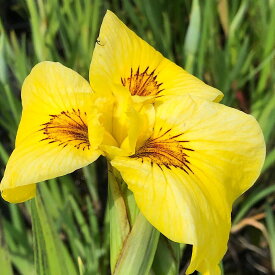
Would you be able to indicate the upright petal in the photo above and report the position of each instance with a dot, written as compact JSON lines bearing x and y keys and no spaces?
{"x":121,"y":57}
{"x":185,"y":177}
{"x":125,"y":115}
{"x":59,"y":130}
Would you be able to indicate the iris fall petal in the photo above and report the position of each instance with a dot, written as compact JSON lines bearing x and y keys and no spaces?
{"x":58,"y":133}
{"x":120,"y":57}
{"x":185,"y":177}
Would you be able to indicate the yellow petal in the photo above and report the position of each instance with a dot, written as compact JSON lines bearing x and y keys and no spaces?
{"x":185,"y":177}
{"x":124,"y":116}
{"x":19,"y":194}
{"x":122,"y":58}
{"x":59,"y":131}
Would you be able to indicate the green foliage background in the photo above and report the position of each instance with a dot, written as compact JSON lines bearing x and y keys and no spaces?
{"x":228,"y":44}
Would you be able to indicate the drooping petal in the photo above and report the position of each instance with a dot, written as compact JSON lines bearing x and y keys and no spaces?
{"x":121,"y":57}
{"x":19,"y":194}
{"x":59,"y":130}
{"x":185,"y":177}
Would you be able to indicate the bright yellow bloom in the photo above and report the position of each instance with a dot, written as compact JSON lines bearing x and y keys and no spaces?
{"x":197,"y":157}
{"x":185,"y":157}
{"x":55,"y":135}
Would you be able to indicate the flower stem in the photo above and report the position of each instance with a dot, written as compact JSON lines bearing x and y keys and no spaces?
{"x":133,"y":240}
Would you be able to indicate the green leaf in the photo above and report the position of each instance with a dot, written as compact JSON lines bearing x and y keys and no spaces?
{"x":255,"y":197}
{"x":269,"y":161}
{"x":5,"y":263}
{"x":192,"y":36}
{"x":270,"y":222}
{"x":51,"y":257}
{"x":167,"y":258}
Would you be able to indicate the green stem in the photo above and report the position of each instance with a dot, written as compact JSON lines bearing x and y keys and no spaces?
{"x":132,"y":243}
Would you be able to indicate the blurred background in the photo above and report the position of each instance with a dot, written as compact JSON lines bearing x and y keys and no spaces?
{"x":228,"y":44}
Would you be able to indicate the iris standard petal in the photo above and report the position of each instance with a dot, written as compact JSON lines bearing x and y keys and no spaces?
{"x":185,"y":177}
{"x":59,"y":131}
{"x":131,"y":123}
{"x":121,"y":57}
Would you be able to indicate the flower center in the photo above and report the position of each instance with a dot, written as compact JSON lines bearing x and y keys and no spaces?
{"x":68,"y":128}
{"x":165,"y":150}
{"x":142,"y":83}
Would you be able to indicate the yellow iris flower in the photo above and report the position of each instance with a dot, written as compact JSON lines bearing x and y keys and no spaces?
{"x":185,"y":157}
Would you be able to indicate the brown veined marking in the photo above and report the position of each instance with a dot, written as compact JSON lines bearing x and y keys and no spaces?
{"x":142,"y":83}
{"x":67,"y":128}
{"x":166,"y":150}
